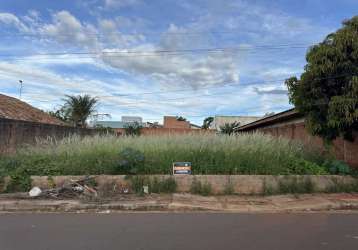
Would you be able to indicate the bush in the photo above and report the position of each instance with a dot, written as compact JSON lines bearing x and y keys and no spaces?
{"x":133,"y":129}
{"x":337,"y":167}
{"x":300,"y":166}
{"x":20,"y":181}
{"x":131,"y":161}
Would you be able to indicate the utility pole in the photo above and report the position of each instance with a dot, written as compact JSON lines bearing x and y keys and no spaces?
{"x":21,"y":85}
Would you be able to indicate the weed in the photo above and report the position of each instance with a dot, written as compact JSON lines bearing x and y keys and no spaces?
{"x":164,"y":186}
{"x":131,"y":160}
{"x":208,"y":153}
{"x":229,"y":188}
{"x":295,"y":185}
{"x":198,"y":188}
{"x":267,"y":189}
{"x":51,"y":182}
{"x":20,"y":181}
{"x":338,"y":186}
{"x":133,"y":129}
{"x":137,"y":183}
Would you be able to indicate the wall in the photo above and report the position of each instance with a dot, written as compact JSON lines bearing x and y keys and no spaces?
{"x":172,"y":122}
{"x":14,"y":133}
{"x":241,"y":184}
{"x":221,"y":120}
{"x":295,"y":130}
{"x":167,"y":131}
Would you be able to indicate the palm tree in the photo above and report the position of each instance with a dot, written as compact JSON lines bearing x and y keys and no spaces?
{"x":229,"y":128}
{"x":79,"y":108}
{"x":207,"y":122}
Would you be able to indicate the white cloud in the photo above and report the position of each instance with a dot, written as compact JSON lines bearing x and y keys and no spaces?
{"x":176,"y":70}
{"x":68,"y":29}
{"x":120,"y":3}
{"x":11,"y":19}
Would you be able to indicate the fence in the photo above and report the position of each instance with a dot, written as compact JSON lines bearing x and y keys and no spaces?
{"x":344,"y":150}
{"x":14,"y":133}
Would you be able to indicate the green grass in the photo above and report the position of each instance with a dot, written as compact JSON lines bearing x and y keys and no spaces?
{"x":209,"y":154}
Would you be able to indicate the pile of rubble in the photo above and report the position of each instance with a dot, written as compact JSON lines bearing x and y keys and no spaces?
{"x":68,"y":190}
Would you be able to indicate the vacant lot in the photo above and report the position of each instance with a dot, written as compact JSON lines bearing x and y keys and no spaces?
{"x":209,"y":154}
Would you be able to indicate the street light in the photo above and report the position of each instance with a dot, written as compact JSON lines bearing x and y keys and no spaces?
{"x":21,"y":85}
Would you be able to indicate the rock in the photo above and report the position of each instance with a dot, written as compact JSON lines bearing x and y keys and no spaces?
{"x":35,"y":191}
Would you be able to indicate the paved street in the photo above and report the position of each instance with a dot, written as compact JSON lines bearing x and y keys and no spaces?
{"x":154,"y":231}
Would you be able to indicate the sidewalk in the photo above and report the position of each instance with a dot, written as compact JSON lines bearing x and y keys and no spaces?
{"x":187,"y":202}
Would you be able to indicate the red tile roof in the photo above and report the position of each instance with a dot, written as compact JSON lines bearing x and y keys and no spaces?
{"x":12,"y":108}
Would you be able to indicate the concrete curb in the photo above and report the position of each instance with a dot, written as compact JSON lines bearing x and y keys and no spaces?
{"x":188,"y":203}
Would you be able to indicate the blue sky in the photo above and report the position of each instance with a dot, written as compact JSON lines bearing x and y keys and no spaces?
{"x":194,"y":58}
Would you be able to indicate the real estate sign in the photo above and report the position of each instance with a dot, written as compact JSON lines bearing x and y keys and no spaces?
{"x":181,"y":167}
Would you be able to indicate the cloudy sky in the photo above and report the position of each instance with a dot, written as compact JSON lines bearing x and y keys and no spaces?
{"x":194,"y":58}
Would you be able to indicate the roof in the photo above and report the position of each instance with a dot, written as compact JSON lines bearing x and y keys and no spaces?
{"x":220,"y":120}
{"x":282,"y":116}
{"x":238,"y":116}
{"x":194,"y":125}
{"x":115,"y":124}
{"x":12,"y":108}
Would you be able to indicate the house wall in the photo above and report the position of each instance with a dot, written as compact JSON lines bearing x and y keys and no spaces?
{"x":221,"y":120}
{"x":295,"y":130}
{"x":172,"y":123}
{"x":14,"y":133}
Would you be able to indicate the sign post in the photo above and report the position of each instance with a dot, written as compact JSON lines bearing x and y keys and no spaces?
{"x":181,"y":168}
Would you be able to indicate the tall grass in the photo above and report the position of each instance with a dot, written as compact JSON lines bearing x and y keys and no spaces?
{"x":209,"y":154}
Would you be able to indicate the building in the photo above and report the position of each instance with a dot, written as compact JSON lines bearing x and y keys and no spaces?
{"x":15,"y":109}
{"x":132,"y":119}
{"x":21,"y":123}
{"x":291,"y":124}
{"x":173,"y":122}
{"x":125,"y":121}
{"x":220,"y":120}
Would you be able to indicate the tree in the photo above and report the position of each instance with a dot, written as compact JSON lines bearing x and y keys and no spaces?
{"x":181,"y":119}
{"x":327,"y":91}
{"x":79,"y":108}
{"x":61,"y":114}
{"x":133,"y":129}
{"x":207,"y":122}
{"x":229,"y":128}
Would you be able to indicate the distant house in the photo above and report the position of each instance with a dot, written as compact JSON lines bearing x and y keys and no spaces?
{"x":125,"y":121}
{"x":220,"y":120}
{"x":15,"y":109}
{"x":292,"y":125}
{"x":173,"y":122}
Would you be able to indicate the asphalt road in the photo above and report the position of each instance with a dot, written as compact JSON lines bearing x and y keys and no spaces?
{"x":155,"y":231}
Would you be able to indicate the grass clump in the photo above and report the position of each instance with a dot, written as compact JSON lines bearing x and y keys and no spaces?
{"x":20,"y":181}
{"x":141,"y":155}
{"x":155,"y":185}
{"x":163,"y":186}
{"x":295,"y":185}
{"x":203,"y":189}
{"x":290,"y":185}
{"x":339,"y":186}
{"x":229,"y":188}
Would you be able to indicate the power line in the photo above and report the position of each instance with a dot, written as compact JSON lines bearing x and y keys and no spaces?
{"x":126,"y":33}
{"x":187,"y":89}
{"x":210,"y":87}
{"x":133,"y":53}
